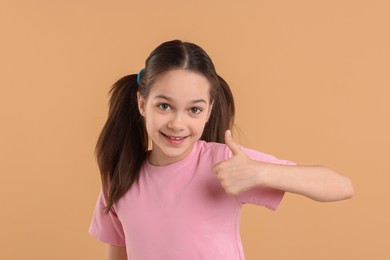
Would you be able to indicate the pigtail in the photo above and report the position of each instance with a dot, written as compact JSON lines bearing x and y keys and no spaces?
{"x":222,"y":114}
{"x":123,"y":143}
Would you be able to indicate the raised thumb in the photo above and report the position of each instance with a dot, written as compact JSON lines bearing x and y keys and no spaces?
{"x":233,"y":146}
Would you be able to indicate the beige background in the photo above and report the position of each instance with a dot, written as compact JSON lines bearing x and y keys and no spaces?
{"x":311,"y":81}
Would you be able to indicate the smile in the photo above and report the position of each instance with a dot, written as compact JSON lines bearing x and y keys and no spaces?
{"x":174,"y":139}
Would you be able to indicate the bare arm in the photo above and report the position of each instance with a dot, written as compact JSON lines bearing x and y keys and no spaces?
{"x":116,"y":253}
{"x":320,"y":183}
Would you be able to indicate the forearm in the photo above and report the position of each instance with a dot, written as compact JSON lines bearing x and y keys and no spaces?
{"x":315,"y":182}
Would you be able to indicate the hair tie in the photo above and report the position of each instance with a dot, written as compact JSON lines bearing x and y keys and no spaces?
{"x":139,"y":76}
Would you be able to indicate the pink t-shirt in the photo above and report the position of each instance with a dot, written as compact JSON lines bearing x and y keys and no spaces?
{"x":180,"y":211}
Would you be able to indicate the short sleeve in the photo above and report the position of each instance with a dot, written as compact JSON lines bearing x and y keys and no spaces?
{"x":106,"y":227}
{"x":267,"y":197}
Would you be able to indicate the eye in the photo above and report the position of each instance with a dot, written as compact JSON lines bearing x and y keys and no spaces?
{"x":164,"y":106}
{"x":195,"y":110}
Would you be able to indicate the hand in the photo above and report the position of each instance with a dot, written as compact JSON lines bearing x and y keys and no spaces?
{"x":238,"y":173}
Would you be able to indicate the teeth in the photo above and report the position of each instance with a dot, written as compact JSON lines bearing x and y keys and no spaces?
{"x":176,"y":138}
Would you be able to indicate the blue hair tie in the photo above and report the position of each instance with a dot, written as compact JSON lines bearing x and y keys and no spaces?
{"x":139,"y":76}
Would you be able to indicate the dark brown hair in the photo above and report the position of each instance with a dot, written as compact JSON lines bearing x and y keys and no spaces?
{"x":123,"y":143}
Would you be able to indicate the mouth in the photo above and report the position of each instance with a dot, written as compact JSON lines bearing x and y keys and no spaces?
{"x":174,"y":139}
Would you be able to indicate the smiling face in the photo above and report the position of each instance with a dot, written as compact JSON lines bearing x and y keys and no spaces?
{"x":175,"y":111}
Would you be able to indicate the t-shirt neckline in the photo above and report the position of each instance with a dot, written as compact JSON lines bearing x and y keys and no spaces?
{"x":172,"y":166}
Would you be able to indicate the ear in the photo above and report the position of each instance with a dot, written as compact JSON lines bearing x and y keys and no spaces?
{"x":141,"y":104}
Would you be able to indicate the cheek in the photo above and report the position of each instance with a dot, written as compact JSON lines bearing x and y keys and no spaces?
{"x":199,"y":125}
{"x":153,"y":120}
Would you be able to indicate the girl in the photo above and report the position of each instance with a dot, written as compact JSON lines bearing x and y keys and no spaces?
{"x":181,"y":199}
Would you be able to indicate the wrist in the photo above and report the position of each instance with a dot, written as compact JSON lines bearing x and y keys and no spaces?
{"x":265,"y":174}
{"x":261,"y":169}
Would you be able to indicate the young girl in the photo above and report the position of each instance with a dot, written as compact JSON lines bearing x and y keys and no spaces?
{"x":181,"y":199}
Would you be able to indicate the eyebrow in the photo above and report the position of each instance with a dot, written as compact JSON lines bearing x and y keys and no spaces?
{"x":171,"y":99}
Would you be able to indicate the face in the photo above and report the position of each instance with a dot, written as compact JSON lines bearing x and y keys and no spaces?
{"x":175,"y":113}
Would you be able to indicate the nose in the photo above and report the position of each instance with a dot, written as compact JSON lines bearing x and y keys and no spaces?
{"x":177,"y":123}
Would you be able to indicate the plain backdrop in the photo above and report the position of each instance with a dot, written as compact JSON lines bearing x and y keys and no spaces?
{"x":311,"y":82}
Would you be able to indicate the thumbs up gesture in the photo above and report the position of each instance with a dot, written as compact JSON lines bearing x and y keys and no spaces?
{"x":238,"y":173}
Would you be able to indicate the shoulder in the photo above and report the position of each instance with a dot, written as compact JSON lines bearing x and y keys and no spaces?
{"x":210,"y":146}
{"x":264,"y":157}
{"x":221,"y":151}
{"x":212,"y":151}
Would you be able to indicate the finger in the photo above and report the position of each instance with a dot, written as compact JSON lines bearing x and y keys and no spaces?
{"x":233,"y":146}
